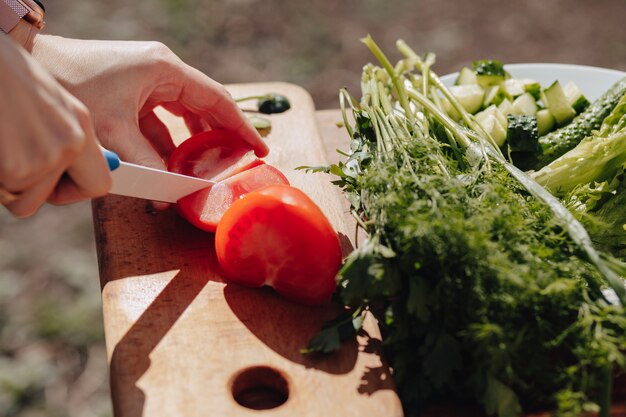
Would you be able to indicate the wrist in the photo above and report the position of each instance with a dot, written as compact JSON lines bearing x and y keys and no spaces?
{"x":22,"y":20}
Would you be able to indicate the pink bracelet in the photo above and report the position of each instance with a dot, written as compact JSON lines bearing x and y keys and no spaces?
{"x":12,"y":11}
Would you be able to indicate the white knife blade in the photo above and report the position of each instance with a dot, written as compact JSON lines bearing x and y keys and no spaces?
{"x":151,"y":184}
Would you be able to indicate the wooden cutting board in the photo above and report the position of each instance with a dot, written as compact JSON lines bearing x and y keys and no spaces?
{"x":181,"y":342}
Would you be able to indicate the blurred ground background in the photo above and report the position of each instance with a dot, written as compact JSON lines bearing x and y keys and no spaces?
{"x":52,"y":357}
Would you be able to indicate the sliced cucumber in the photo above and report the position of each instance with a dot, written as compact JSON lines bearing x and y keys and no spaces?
{"x":470,"y":96}
{"x":513,"y":87}
{"x":525,"y":104}
{"x":558,"y":104}
{"x":506,"y":107}
{"x":492,"y":111}
{"x":466,"y":76}
{"x":494,"y":95}
{"x":494,"y":128}
{"x":532,"y":87}
{"x":545,"y":121}
{"x":450,"y":110}
{"x":575,"y":97}
{"x":489,"y":72}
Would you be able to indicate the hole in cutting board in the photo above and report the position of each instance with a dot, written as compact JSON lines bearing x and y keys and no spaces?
{"x":260,"y":388}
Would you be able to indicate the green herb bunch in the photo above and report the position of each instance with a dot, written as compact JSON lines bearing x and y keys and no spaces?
{"x":486,"y":289}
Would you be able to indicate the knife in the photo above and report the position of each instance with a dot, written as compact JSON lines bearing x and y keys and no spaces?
{"x":149,"y":183}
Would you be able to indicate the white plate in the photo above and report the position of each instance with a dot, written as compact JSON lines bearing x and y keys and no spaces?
{"x":592,"y":81}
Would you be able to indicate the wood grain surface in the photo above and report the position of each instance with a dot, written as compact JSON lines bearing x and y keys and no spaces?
{"x":181,"y":342}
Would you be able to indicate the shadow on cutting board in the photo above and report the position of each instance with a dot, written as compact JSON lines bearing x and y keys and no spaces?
{"x":286,"y":327}
{"x":131,"y":357}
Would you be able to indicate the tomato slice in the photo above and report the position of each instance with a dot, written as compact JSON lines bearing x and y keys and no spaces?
{"x":220,"y":156}
{"x":212,"y":155}
{"x":278,"y":236}
{"x":205,"y":208}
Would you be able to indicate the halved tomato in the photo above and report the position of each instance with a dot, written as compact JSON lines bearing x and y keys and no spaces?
{"x":205,"y":208}
{"x":278,"y":236}
{"x":212,"y":155}
{"x":220,"y":156}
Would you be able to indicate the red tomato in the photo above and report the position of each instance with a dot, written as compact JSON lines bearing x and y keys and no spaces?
{"x":219,"y":156}
{"x":205,"y":208}
{"x":212,"y":155}
{"x":277,"y":236}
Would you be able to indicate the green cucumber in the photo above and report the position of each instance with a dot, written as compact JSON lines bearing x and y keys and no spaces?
{"x":575,"y":97}
{"x":506,"y":107}
{"x":545,"y":121}
{"x":494,"y":95}
{"x":489,"y":72}
{"x":470,"y":96}
{"x":466,"y":76}
{"x":522,"y":134}
{"x":556,"y":143}
{"x":494,"y":128}
{"x":525,"y":104}
{"x":515,"y":87}
{"x":558,"y":104}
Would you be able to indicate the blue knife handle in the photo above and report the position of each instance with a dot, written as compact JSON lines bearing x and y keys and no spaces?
{"x":112,"y":159}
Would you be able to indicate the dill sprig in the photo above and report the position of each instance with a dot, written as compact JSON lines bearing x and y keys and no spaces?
{"x":486,"y":288}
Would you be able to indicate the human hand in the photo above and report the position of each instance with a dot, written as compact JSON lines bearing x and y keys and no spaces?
{"x":122,"y":82}
{"x":48,"y":148}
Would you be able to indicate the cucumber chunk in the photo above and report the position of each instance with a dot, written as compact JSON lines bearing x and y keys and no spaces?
{"x":489,"y":72}
{"x":494,"y":128}
{"x":558,"y":104}
{"x":575,"y":97}
{"x":450,"y":110}
{"x":506,"y":107}
{"x":492,"y":111}
{"x":522,"y":134}
{"x":470,"y":96}
{"x":466,"y":76}
{"x":494,"y":96}
{"x":525,"y":104}
{"x":532,"y":87}
{"x":513,"y":87}
{"x":545,"y":121}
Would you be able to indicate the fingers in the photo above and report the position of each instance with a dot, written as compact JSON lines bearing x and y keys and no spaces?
{"x":89,"y":170}
{"x":192,"y":95}
{"x":67,"y":147}
{"x":157,"y":133}
{"x":29,"y":201}
{"x":210,"y":100}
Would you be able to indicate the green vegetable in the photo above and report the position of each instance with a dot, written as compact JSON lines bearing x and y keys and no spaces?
{"x":575,"y":97}
{"x":522,"y":134}
{"x":489,"y":72}
{"x":273,"y":103}
{"x":591,"y":179}
{"x":594,"y":159}
{"x":545,"y":121}
{"x":556,"y":101}
{"x":486,"y":288}
{"x":261,"y":124}
{"x":562,"y":140}
{"x":269,"y":103}
{"x":466,"y":77}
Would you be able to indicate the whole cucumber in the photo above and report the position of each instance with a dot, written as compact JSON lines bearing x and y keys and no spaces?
{"x":556,"y":143}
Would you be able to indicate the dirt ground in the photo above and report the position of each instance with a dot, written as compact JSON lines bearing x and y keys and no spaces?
{"x":52,"y":357}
